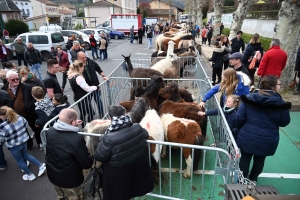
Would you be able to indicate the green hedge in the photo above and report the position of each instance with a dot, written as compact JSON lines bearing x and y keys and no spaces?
{"x":265,"y":42}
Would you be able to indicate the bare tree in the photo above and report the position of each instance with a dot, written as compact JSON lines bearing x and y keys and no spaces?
{"x":239,"y":16}
{"x":170,"y":10}
{"x":288,"y":31}
{"x":199,"y":12}
{"x":217,"y":20}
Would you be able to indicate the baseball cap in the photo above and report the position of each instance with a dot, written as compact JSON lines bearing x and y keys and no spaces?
{"x":236,"y":55}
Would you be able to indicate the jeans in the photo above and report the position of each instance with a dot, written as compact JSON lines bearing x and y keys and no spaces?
{"x":209,"y":41}
{"x":131,"y":38}
{"x":257,"y":168}
{"x":102,"y":51}
{"x":20,"y":57}
{"x":64,"y":82}
{"x":149,"y":42}
{"x":97,"y":98}
{"x":94,"y":49}
{"x":2,"y":157}
{"x":105,"y":53}
{"x":20,"y":154}
{"x":37,"y":70}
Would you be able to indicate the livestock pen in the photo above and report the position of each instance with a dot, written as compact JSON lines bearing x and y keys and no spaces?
{"x":220,"y":155}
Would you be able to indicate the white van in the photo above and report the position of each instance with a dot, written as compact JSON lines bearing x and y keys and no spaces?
{"x":51,"y":27}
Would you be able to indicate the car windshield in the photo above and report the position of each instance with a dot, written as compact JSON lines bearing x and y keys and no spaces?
{"x":57,"y":37}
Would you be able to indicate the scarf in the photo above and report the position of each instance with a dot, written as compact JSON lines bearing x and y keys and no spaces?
{"x":29,"y":76}
{"x":62,"y":126}
{"x":118,"y":123}
{"x":228,"y":110}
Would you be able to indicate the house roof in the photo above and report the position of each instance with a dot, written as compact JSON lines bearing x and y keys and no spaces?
{"x":67,"y":6}
{"x":8,"y":5}
{"x":46,"y":2}
{"x":64,"y":11}
{"x":102,"y":3}
{"x":165,"y":1}
{"x":160,"y":12}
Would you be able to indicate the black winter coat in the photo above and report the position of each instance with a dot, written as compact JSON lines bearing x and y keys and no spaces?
{"x":69,"y":44}
{"x":217,"y":58}
{"x":32,"y":56}
{"x":89,"y":72}
{"x":249,"y":52}
{"x":66,"y":157}
{"x":126,"y":170}
{"x":34,"y":81}
{"x":209,"y":34}
{"x":236,"y":45}
{"x":5,"y":99}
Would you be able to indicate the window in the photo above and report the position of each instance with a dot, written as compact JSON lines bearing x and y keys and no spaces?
{"x":28,"y":11}
{"x":25,"y":3}
{"x":16,"y":3}
{"x":65,"y":33}
{"x":57,"y":37}
{"x":23,"y":38}
{"x":33,"y":39}
{"x":43,"y":39}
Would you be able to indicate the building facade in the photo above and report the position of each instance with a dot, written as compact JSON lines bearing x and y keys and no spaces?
{"x":161,"y":10}
{"x":8,"y":10}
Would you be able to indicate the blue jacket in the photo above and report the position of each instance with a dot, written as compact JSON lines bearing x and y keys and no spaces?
{"x":230,"y":118}
{"x":258,"y":120}
{"x":241,"y":89}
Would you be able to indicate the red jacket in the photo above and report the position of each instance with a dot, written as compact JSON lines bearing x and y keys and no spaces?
{"x":273,"y":62}
{"x":63,"y":60}
{"x":1,"y":52}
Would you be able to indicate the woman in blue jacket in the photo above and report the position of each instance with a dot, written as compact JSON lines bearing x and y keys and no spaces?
{"x":258,"y":119}
{"x":232,"y":83}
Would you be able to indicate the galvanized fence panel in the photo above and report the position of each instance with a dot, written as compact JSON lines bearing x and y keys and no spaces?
{"x":117,"y":89}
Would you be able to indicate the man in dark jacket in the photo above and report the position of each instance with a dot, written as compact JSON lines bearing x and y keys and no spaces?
{"x":235,"y":61}
{"x":237,"y":43}
{"x":34,"y":60}
{"x":123,"y":153}
{"x":93,"y":43}
{"x":19,"y":47}
{"x":90,"y":76}
{"x":23,"y":102}
{"x":69,"y":43}
{"x":66,"y":156}
{"x":297,"y":69}
{"x":5,"y":100}
{"x":73,"y":53}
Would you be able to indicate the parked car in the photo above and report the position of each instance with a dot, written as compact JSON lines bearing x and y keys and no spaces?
{"x":97,"y":32}
{"x":107,"y":33}
{"x":114,"y":33}
{"x":85,"y":37}
{"x":51,"y":27}
{"x":44,"y":42}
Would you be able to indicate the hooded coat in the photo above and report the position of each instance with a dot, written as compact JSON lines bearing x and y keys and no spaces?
{"x":217,"y":57}
{"x":258,"y":120}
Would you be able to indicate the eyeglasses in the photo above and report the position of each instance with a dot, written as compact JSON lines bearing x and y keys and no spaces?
{"x":279,"y":84}
{"x":15,"y":79}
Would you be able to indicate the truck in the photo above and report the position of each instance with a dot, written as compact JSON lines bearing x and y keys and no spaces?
{"x":148,"y":21}
{"x":123,"y":22}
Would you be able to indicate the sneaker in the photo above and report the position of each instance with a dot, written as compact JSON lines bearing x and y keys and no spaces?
{"x":41,"y":147}
{"x":2,"y":168}
{"x":42,"y":169}
{"x":28,"y":163}
{"x":30,"y":177}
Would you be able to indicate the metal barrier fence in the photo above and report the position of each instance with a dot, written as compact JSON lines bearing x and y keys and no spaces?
{"x":226,"y":155}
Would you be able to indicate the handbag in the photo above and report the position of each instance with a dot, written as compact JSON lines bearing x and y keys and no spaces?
{"x":92,"y":182}
{"x":293,"y":82}
{"x":226,"y":57}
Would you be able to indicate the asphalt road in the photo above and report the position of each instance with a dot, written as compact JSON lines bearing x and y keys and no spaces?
{"x":12,"y":186}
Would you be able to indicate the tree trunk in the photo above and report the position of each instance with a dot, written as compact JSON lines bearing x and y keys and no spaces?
{"x":170,"y":11}
{"x":288,"y":32}
{"x":239,"y":16}
{"x":217,"y":21}
{"x":199,"y":13}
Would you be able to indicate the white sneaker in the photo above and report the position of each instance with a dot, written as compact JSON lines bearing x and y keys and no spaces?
{"x":30,"y":177}
{"x":42,"y":169}
{"x":28,"y":163}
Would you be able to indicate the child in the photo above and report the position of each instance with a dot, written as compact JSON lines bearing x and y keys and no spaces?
{"x":60,"y":101}
{"x":217,"y":63}
{"x":44,"y":109}
{"x":13,"y":131}
{"x":230,"y":109}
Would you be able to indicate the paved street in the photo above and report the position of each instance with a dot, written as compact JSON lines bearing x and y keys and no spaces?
{"x":12,"y":187}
